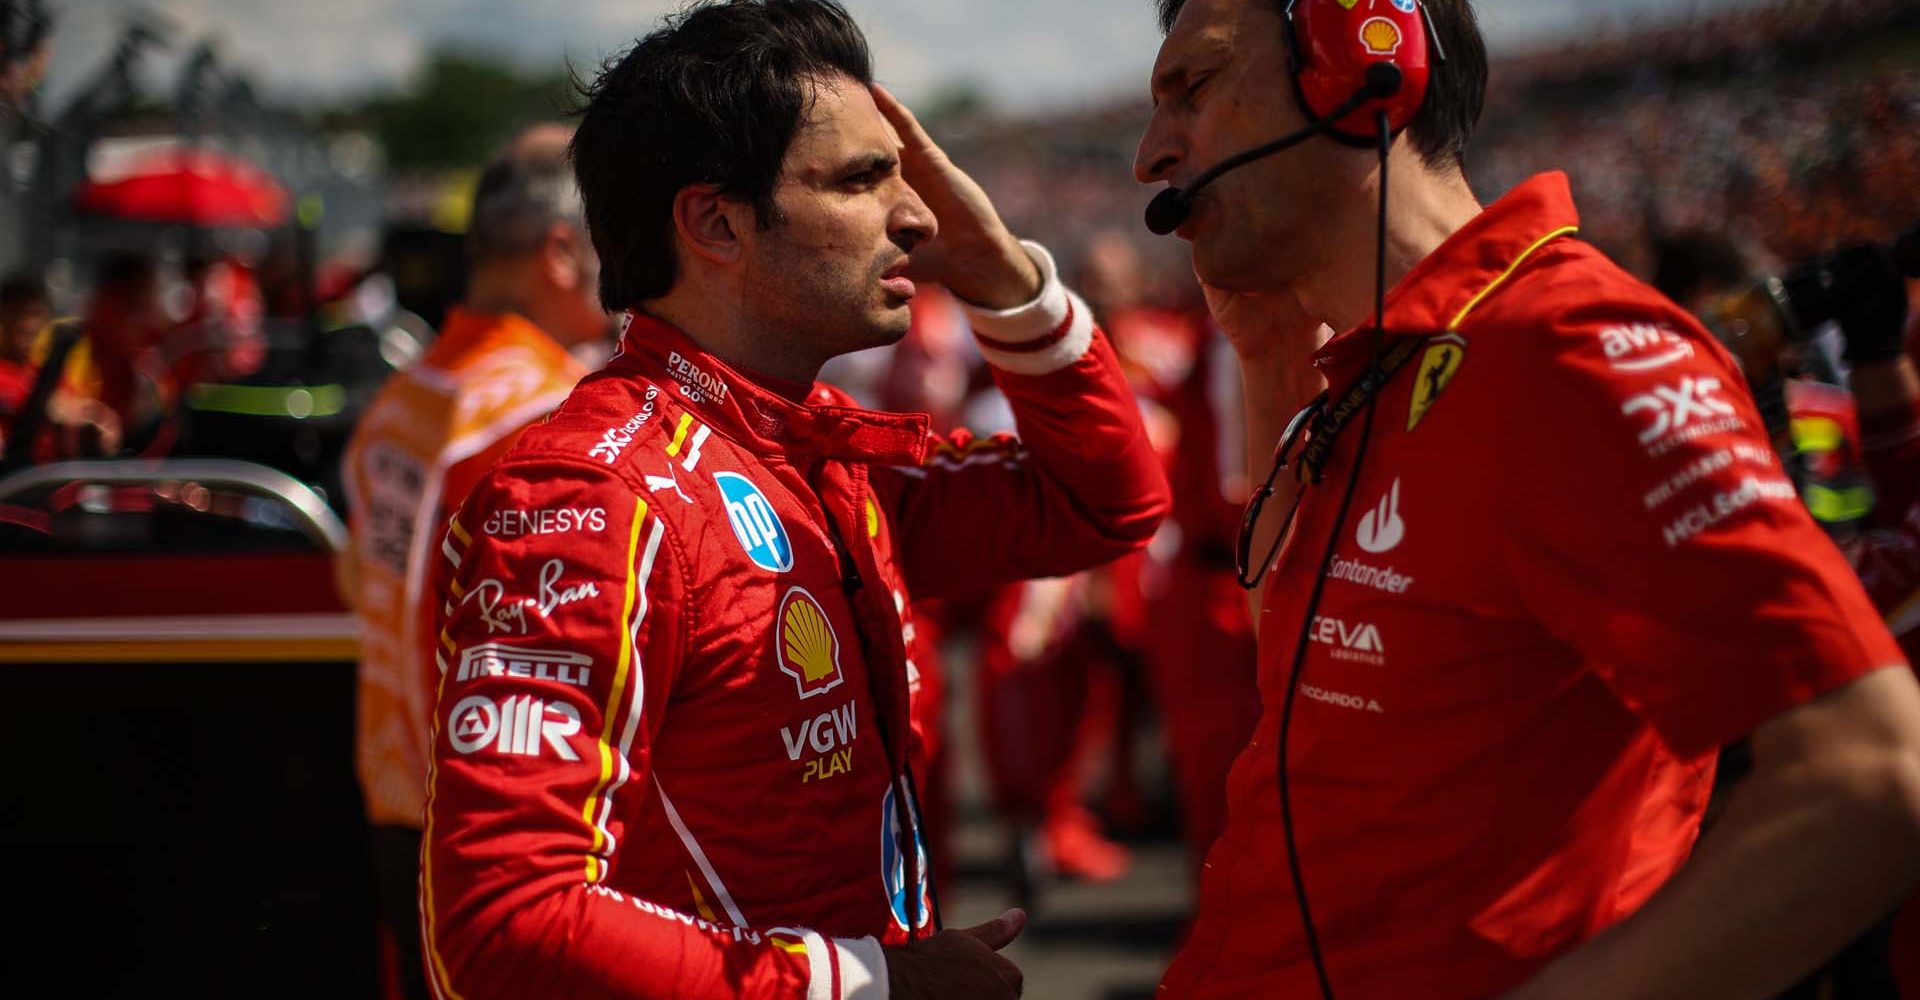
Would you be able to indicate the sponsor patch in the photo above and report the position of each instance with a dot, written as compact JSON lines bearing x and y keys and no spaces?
{"x":552,"y":521}
{"x":807,"y":648}
{"x":1355,"y":642}
{"x":1678,"y":412}
{"x":1725,"y":504}
{"x":695,"y":384}
{"x":1380,"y":36}
{"x":1381,"y":530}
{"x":829,"y":736}
{"x":494,"y":659}
{"x":893,"y":865}
{"x":1437,"y":369}
{"x":1643,"y":347}
{"x":522,"y":726}
{"x":1386,"y":580}
{"x":616,"y":439}
{"x":754,"y":523}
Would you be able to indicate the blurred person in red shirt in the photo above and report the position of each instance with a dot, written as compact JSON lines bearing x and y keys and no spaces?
{"x":119,"y":364}
{"x":73,"y":424}
{"x":220,"y":338}
{"x":25,"y":311}
{"x":500,"y":363}
{"x":1200,"y":652}
{"x":1572,"y":572}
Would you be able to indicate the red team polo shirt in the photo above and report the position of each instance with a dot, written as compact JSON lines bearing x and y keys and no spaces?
{"x":1572,"y":571}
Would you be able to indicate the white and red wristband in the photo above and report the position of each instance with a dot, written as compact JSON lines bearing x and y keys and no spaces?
{"x":1042,"y":336}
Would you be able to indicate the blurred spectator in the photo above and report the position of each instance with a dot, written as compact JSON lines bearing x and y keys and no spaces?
{"x":24,"y":33}
{"x":1775,"y":122}
{"x":120,"y":365}
{"x":1854,"y":453}
{"x":220,"y":338}
{"x":25,"y":310}
{"x":64,"y":417}
{"x":500,"y":363}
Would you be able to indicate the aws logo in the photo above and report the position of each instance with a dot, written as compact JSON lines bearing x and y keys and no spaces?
{"x":807,"y":647}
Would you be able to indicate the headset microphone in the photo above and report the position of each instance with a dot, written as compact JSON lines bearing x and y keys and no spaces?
{"x":1171,"y":207}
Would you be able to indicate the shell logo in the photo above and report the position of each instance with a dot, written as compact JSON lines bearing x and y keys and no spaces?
{"x":1380,"y":36}
{"x":808,"y":649}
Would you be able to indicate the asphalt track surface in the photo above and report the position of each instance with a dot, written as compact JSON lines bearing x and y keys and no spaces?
{"x":1085,"y":942}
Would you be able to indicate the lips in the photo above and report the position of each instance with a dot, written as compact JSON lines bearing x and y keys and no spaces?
{"x":896,"y":282}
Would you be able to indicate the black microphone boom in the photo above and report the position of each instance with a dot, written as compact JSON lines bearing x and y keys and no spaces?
{"x":1171,"y":207}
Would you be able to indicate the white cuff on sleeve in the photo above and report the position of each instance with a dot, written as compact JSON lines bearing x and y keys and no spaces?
{"x":863,"y":969}
{"x":1045,"y":335}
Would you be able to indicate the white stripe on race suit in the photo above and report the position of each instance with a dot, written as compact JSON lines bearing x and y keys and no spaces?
{"x":699,"y":857}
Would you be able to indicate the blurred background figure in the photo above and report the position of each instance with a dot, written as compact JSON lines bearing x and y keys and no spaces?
{"x":1826,"y":349}
{"x":25,"y":311}
{"x":500,"y":363}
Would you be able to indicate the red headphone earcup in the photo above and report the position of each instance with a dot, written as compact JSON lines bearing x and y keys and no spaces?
{"x":1337,"y":40}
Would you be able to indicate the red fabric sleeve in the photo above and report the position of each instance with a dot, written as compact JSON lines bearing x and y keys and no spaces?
{"x":1655,"y":532}
{"x":559,"y":648}
{"x":1080,"y":486}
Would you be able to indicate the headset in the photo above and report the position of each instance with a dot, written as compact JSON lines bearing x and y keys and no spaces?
{"x":1360,"y":72}
{"x":1350,"y":62}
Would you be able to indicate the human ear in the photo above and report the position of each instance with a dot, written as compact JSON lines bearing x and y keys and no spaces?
{"x":710,"y":224}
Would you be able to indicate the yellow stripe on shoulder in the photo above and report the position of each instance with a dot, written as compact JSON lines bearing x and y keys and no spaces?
{"x":1474,"y":303}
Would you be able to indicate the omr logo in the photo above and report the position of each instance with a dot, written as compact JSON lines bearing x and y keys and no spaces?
{"x":522,"y":726}
{"x":754,"y":523}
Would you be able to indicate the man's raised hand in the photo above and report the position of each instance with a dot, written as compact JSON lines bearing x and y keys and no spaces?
{"x":974,"y":255}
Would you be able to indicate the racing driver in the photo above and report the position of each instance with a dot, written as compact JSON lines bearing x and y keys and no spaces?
{"x":673,"y":754}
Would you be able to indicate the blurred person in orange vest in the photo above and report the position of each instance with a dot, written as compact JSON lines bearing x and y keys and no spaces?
{"x":501,"y":362}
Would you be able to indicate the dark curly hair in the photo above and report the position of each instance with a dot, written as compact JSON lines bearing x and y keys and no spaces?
{"x":715,"y":96}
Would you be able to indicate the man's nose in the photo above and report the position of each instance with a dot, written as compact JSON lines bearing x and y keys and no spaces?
{"x":913,"y":222}
{"x":1159,"y":152}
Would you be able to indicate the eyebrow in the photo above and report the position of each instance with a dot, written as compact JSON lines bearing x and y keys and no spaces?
{"x":864,"y":162}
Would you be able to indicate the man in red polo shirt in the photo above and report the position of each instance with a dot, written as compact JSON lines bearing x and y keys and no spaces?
{"x":1569,"y":571}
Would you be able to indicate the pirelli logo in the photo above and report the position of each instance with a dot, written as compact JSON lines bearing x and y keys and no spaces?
{"x":496,"y":660}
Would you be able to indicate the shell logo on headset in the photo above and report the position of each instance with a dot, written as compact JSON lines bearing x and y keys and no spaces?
{"x":1380,"y":36}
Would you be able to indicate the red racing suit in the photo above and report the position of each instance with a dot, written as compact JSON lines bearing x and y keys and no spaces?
{"x":673,"y":755}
